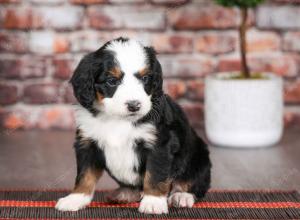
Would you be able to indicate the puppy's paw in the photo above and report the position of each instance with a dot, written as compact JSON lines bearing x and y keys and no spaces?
{"x":153,"y":205}
{"x":73,"y":202}
{"x":181,"y":199}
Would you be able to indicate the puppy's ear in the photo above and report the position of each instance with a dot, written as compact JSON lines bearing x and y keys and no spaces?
{"x":83,"y":82}
{"x":155,"y":66}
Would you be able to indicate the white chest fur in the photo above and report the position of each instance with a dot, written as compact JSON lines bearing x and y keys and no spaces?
{"x":116,"y":137}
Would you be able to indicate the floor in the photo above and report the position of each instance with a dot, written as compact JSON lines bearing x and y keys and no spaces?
{"x":45,"y":159}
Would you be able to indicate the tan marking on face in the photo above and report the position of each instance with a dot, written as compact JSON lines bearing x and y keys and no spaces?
{"x":143,"y":72}
{"x":88,"y":181}
{"x":160,"y":189}
{"x":115,"y":72}
{"x":99,"y":97}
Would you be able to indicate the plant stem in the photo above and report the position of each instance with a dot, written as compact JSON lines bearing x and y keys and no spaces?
{"x":243,"y":43}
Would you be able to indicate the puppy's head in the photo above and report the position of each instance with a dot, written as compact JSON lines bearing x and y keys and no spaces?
{"x":120,"y":79}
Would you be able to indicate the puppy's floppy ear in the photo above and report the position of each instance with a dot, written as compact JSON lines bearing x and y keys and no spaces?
{"x":83,"y":82}
{"x":155,"y":66}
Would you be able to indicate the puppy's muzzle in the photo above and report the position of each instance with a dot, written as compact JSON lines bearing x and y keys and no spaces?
{"x":133,"y":106}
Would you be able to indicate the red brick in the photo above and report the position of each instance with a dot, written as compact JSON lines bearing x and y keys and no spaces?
{"x":62,"y":68}
{"x":21,"y":18}
{"x":196,"y":17}
{"x":58,"y":117}
{"x":175,"y":88}
{"x":88,"y":2}
{"x":10,"y":68}
{"x":42,"y":93}
{"x":292,"y":41}
{"x":194,"y":112}
{"x":10,"y":1}
{"x":23,"y":68}
{"x":61,"y":45}
{"x":87,"y":41}
{"x":13,"y":42}
{"x":36,"y":117}
{"x":10,"y":121}
{"x":46,"y":42}
{"x":62,"y":18}
{"x":195,"y":90}
{"x":215,"y":43}
{"x":186,"y":67}
{"x":40,"y":17}
{"x":283,"y":65}
{"x":172,"y":43}
{"x":229,"y":64}
{"x":101,"y":20}
{"x":128,"y":17}
{"x":262,"y":41}
{"x":292,"y":92}
{"x":8,"y":94}
{"x":48,"y":2}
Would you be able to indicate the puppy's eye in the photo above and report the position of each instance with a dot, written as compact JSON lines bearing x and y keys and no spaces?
{"x":112,"y":82}
{"x":145,"y":79}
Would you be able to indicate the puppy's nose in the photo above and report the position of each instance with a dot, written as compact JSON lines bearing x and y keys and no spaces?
{"x":133,"y":106}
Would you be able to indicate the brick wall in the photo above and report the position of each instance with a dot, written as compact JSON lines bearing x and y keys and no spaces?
{"x":41,"y":41}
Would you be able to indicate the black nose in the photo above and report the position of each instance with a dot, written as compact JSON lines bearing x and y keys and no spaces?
{"x":133,"y":106}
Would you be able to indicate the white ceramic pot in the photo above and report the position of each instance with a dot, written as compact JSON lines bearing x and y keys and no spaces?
{"x":243,"y":113}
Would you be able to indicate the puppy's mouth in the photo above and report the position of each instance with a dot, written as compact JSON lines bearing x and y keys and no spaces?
{"x":131,"y":114}
{"x":134,"y":116}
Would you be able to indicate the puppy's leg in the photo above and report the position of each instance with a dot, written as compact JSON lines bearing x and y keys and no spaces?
{"x":155,"y":195}
{"x":82,"y":194}
{"x":195,"y":182}
{"x":124,"y":195}
{"x":157,"y":180}
{"x":180,"y":195}
{"x":90,"y":164}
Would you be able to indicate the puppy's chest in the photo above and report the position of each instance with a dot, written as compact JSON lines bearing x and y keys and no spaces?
{"x":118,"y":140}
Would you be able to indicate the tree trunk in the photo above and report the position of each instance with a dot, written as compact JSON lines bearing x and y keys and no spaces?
{"x":243,"y":42}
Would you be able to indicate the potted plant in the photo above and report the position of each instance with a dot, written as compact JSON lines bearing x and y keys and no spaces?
{"x":243,"y":109}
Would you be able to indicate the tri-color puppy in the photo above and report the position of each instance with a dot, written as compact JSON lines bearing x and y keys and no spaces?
{"x":127,"y":126}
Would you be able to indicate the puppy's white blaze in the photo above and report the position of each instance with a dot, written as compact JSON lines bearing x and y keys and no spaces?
{"x":117,"y":138}
{"x":131,"y":58}
{"x":153,"y":205}
{"x":129,"y":54}
{"x":73,"y":202}
{"x":130,"y":89}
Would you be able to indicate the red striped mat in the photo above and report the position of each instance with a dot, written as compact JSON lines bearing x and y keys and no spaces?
{"x":218,"y":204}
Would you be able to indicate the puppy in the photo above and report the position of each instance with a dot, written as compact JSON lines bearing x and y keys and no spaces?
{"x":127,"y":126}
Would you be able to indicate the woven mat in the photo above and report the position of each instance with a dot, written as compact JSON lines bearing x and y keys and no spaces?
{"x":216,"y":205}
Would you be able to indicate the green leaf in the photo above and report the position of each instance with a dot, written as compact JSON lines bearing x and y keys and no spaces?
{"x":239,"y":3}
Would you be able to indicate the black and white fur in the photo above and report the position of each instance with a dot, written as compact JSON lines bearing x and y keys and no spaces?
{"x":156,"y":139}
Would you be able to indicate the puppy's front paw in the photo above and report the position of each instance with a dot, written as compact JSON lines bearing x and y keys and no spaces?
{"x":154,"y":205}
{"x":73,"y":202}
{"x":181,"y":199}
